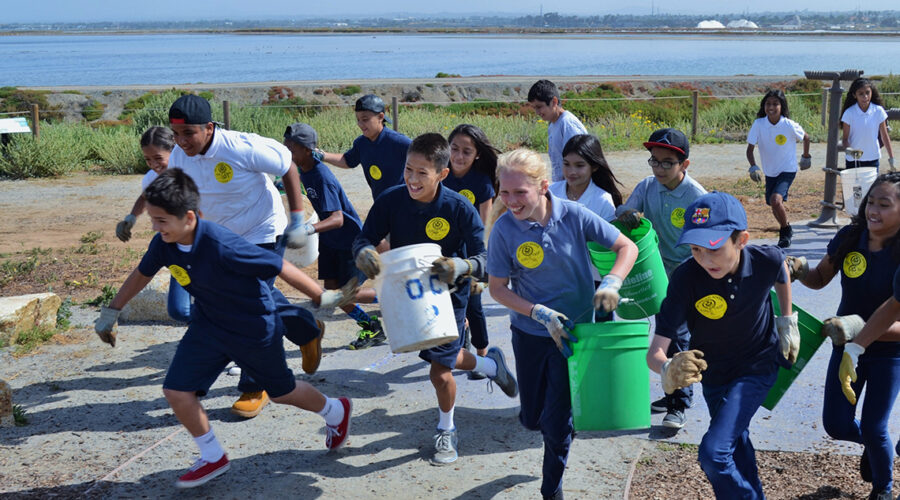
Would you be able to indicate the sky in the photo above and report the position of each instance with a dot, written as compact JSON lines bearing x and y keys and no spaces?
{"x":37,"y":11}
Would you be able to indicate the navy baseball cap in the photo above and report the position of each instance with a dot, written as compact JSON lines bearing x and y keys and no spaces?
{"x":373,"y":103}
{"x":710,"y":220}
{"x":302,"y":134}
{"x":190,"y":109}
{"x":669,"y":138}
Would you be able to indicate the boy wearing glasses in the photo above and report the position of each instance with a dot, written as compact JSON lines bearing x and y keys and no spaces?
{"x":662,"y":198}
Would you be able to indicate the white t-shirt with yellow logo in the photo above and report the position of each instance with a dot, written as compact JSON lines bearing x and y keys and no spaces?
{"x":777,"y":144}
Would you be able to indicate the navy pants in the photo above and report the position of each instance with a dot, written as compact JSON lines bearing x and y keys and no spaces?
{"x":726,"y":454}
{"x":543,"y":376}
{"x":477,"y":323}
{"x":879,"y":372}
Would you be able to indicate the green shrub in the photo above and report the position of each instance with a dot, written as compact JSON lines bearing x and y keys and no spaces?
{"x":62,"y":149}
{"x":15,"y":99}
{"x":441,"y":74}
{"x":117,"y":150}
{"x":93,"y":110}
{"x":348,"y":90}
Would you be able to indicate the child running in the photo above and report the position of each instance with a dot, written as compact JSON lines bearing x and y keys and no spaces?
{"x":234,"y":318}
{"x":561,"y":124}
{"x":423,"y":211}
{"x":863,"y":123}
{"x":338,"y":226}
{"x":538,"y":267}
{"x":722,"y":292}
{"x":777,"y":135}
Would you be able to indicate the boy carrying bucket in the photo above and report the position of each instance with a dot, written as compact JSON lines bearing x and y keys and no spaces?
{"x":722,"y":293}
{"x":423,"y":211}
{"x":662,"y":198}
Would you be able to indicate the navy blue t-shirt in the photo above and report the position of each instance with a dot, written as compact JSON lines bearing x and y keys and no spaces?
{"x":730,"y":319}
{"x":327,"y":196}
{"x":383,"y":159}
{"x":866,"y":276}
{"x":475,"y":186}
{"x":227,"y":276}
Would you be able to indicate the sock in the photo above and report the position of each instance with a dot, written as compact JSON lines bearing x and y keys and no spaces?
{"x":333,"y":413}
{"x":375,"y":300}
{"x":446,"y":421}
{"x":486,"y":366}
{"x":210,"y":449}
{"x":359,"y":315}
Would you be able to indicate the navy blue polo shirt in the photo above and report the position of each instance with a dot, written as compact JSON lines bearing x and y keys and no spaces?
{"x":730,"y":319}
{"x":227,"y":276}
{"x":475,"y":186}
{"x":866,"y":276}
{"x":383,"y":159}
{"x":327,"y":196}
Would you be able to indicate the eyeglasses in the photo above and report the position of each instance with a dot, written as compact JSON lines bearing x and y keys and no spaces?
{"x":666,"y":165}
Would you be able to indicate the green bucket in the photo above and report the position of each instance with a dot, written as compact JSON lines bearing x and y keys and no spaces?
{"x":810,"y":340}
{"x":609,"y":381}
{"x":647,"y":282}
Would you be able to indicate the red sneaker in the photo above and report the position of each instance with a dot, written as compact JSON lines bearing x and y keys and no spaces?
{"x":337,"y":435}
{"x":202,"y":471}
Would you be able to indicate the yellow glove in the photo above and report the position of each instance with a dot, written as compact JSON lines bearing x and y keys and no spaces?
{"x":682,"y":370}
{"x":847,"y":370}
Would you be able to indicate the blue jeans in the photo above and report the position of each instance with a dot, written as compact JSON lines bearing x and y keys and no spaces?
{"x":179,"y":302}
{"x":879,"y":372}
{"x":726,"y":454}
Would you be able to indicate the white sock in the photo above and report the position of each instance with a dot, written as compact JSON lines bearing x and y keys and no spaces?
{"x":486,"y":366}
{"x":210,"y":449}
{"x":446,"y":421}
{"x":333,"y":413}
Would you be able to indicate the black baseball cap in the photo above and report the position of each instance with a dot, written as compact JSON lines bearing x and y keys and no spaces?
{"x":190,"y":109}
{"x":302,"y":134}
{"x":371,"y":102}
{"x":669,"y":138}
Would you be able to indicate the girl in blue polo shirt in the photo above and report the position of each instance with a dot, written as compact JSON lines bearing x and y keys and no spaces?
{"x":538,"y":267}
{"x":866,"y":254}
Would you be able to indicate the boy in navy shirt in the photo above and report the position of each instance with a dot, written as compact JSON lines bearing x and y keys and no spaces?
{"x":423,"y":211}
{"x":234,"y":318}
{"x":723,"y":294}
{"x":338,"y":226}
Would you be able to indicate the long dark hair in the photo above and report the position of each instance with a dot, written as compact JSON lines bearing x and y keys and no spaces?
{"x":857,"y":84}
{"x":777,"y":94}
{"x":588,"y":147}
{"x":161,"y":137}
{"x":486,"y":156}
{"x":858,"y":224}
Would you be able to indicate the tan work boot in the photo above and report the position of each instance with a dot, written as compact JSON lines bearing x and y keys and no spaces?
{"x":250,"y":404}
{"x":312,"y":351}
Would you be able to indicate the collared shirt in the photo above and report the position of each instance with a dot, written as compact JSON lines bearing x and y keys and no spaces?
{"x":777,"y":144}
{"x":730,"y":319}
{"x":383,"y":159}
{"x":235,"y":191}
{"x":549,"y":264}
{"x":865,"y":127}
{"x":326,"y":195}
{"x":475,"y":186}
{"x":148,"y":178}
{"x":558,"y":134}
{"x":227,"y":276}
{"x":665,"y":209}
{"x":595,"y":198}
{"x":866,"y":276}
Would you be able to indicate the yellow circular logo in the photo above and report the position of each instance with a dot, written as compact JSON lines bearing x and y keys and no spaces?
{"x":180,"y":275}
{"x":375,"y":173}
{"x":854,"y":265}
{"x":530,"y":254}
{"x":677,"y":217}
{"x":223,"y":172}
{"x":469,"y":195}
{"x":780,"y":140}
{"x":437,"y":228}
{"x":712,"y":306}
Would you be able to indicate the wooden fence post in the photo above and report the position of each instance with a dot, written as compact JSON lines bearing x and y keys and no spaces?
{"x":226,"y":114}
{"x":824,"y":106}
{"x":35,"y":122}
{"x":394,"y":112}
{"x":695,"y":95}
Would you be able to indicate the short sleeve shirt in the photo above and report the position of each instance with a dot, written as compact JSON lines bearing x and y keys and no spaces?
{"x":777,"y":144}
{"x":149,"y":177}
{"x":665,"y":209}
{"x":864,"y":129}
{"x":233,"y":180}
{"x":558,"y":134}
{"x":383,"y":159}
{"x":866,"y":276}
{"x":475,"y":186}
{"x":327,"y":196}
{"x":549,"y":264}
{"x":595,"y":198}
{"x":227,"y":276}
{"x":730,"y":319}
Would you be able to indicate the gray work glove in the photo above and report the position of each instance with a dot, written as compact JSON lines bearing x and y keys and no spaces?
{"x":842,"y":329}
{"x":298,"y":232}
{"x":891,"y":164}
{"x":805,"y":162}
{"x":682,"y":370}
{"x":755,"y":173}
{"x":369,"y":262}
{"x":607,"y":295}
{"x":123,"y":228}
{"x":789,"y":336}
{"x":798,"y":267}
{"x":449,"y":269}
{"x":559,"y":326}
{"x":339,"y":298}
{"x":105,"y":325}
{"x":631,"y":219}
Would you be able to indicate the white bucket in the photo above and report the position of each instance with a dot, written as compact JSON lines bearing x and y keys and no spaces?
{"x":855,"y":183}
{"x":302,"y":257}
{"x":415,"y":304}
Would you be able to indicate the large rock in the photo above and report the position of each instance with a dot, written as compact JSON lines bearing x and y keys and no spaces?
{"x":23,"y":312}
{"x":7,"y":419}
{"x":150,"y":304}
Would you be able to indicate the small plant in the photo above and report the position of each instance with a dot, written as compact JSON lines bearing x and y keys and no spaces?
{"x":105,"y":297}
{"x":19,"y":415}
{"x":91,"y":237}
{"x":441,"y":74}
{"x":29,"y":339}
{"x":64,"y":314}
{"x":348,"y":90}
{"x":93,"y":110}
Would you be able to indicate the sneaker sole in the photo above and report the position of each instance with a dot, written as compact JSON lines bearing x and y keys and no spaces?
{"x":672,"y":425}
{"x":658,"y":409}
{"x":438,"y":463}
{"x":183,"y":485}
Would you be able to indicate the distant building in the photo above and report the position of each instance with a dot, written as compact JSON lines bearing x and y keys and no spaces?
{"x":710,"y":25}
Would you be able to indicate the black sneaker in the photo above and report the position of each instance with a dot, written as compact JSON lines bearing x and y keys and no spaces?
{"x":659,"y":406}
{"x":880,"y":495}
{"x":674,"y":419}
{"x":371,"y":334}
{"x":865,"y":467}
{"x":784,"y":236}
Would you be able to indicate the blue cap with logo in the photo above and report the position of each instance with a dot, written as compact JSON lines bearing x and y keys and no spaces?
{"x":710,"y":220}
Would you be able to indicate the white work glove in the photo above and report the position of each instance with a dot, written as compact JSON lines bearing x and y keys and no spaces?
{"x":297,"y":234}
{"x":755,"y":173}
{"x":805,"y":162}
{"x":449,"y":269}
{"x":682,"y":370}
{"x":891,"y":164}
{"x":368,"y":261}
{"x":798,"y":267}
{"x":339,"y":298}
{"x":842,"y":329}
{"x":123,"y":228}
{"x":631,"y":219}
{"x":847,"y":370}
{"x":105,"y":325}
{"x":788,"y":336}
{"x":607,"y":295}
{"x":559,"y":326}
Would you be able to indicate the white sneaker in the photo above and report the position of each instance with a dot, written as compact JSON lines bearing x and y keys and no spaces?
{"x":233,"y":369}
